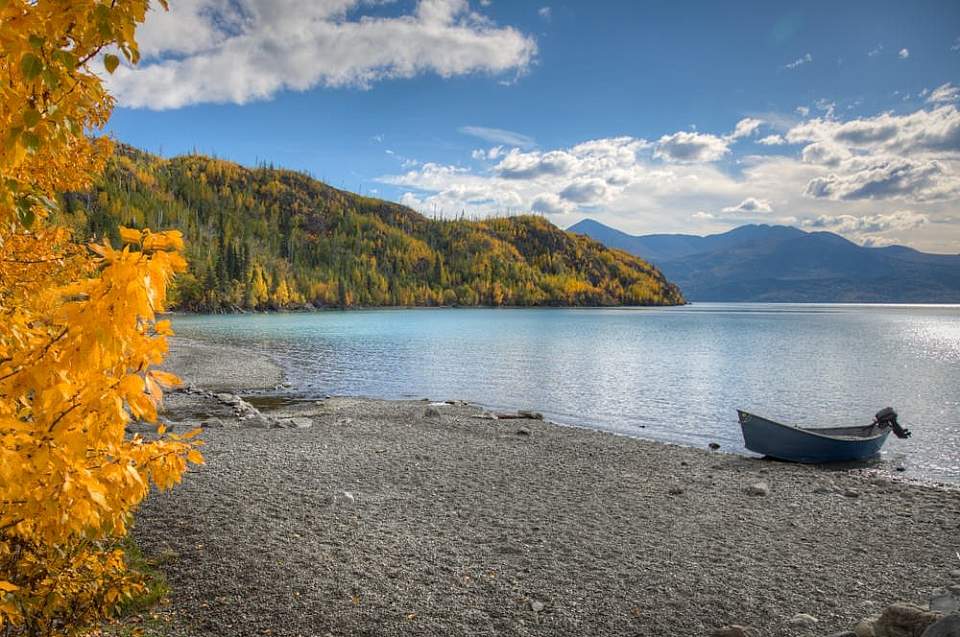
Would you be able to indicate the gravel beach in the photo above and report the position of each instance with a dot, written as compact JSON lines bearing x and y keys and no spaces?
{"x":368,"y":517}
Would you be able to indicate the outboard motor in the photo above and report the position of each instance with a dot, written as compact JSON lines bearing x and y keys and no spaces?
{"x":887,"y":417}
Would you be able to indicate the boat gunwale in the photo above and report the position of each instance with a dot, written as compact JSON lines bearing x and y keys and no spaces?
{"x":814,"y":432}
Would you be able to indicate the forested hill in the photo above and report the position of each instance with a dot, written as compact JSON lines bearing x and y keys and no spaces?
{"x":269,"y":238}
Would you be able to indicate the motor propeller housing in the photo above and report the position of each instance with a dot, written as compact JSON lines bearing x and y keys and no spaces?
{"x":887,"y":417}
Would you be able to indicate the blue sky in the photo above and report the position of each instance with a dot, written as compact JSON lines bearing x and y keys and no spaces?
{"x":626,"y":112}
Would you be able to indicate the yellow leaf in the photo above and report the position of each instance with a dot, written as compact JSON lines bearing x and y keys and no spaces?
{"x":129,"y":235}
{"x":7,"y":587}
{"x":166,"y":379}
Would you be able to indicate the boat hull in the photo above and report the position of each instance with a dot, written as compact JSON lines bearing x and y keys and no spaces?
{"x":785,"y":442}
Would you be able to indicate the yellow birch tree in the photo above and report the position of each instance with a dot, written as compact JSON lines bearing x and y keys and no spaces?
{"x":79,"y":331}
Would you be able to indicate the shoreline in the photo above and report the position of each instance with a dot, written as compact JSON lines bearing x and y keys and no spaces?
{"x":351,"y":516}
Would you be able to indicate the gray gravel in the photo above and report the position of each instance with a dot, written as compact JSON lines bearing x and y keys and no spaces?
{"x":221,"y":368}
{"x":379,"y":520}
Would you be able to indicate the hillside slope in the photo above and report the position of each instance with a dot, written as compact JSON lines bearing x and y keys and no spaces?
{"x":272,"y":238}
{"x":785,"y":264}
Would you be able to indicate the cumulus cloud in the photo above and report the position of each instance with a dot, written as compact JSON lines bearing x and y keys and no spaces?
{"x":687,"y":147}
{"x":545,"y":13}
{"x":800,"y":61}
{"x":749,"y":206}
{"x":746,"y":127}
{"x":520,"y":165}
{"x":944,"y":94}
{"x":840,"y":168}
{"x":549,"y":204}
{"x":904,"y":53}
{"x":585,"y":191}
{"x":886,"y":178}
{"x":826,"y":153}
{"x":772,"y":140}
{"x":900,"y":220}
{"x":237,"y":51}
{"x":921,"y":131}
{"x":875,"y":51}
{"x":499,"y":136}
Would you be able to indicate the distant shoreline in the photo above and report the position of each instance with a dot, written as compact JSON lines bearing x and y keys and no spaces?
{"x":365,"y":308}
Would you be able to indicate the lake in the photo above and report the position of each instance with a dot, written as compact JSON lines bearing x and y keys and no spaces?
{"x":671,"y":374}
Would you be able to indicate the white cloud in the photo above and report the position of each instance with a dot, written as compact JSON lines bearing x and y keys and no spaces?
{"x":944,"y":94}
{"x":956,"y":45}
{"x":886,"y":178}
{"x":499,"y":136}
{"x":685,"y":147}
{"x":550,"y":204}
{"x":749,"y":206}
{"x":875,"y":51}
{"x":675,"y":184}
{"x":772,"y":140}
{"x":826,"y":153}
{"x":544,"y":12}
{"x":800,"y":61}
{"x":585,"y":191}
{"x":868,"y":224}
{"x":487,"y":155}
{"x":936,"y":130}
{"x":237,"y":51}
{"x":520,"y":165}
{"x":803,"y":111}
{"x":904,"y":53}
{"x":746,"y":127}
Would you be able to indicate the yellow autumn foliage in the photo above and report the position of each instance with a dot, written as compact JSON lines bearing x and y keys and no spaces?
{"x":80,"y":336}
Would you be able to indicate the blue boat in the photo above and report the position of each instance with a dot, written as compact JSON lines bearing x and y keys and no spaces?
{"x":816,"y":445}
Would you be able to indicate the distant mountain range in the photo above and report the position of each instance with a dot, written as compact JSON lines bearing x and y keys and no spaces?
{"x":786,"y":264}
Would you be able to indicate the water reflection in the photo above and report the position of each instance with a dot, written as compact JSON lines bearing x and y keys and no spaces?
{"x":675,"y":374}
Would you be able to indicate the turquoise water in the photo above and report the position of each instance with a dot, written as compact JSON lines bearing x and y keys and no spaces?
{"x":672,"y":374}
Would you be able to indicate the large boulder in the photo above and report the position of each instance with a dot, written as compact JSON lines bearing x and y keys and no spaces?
{"x":949,"y":626}
{"x":904,"y":620}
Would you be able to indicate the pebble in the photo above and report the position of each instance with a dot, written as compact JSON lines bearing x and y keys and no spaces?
{"x":523,"y":431}
{"x":851,"y":493}
{"x":349,"y":497}
{"x":955,"y":573}
{"x":758,"y":488}
{"x":844,"y":633}
{"x":675,"y":491}
{"x":532,"y":415}
{"x":431,"y":412}
{"x":536,"y":606}
{"x":736,"y":630}
{"x":257,"y":421}
{"x":714,"y":445}
{"x":864,"y":627}
{"x":301,"y":423}
{"x":802,"y":619}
